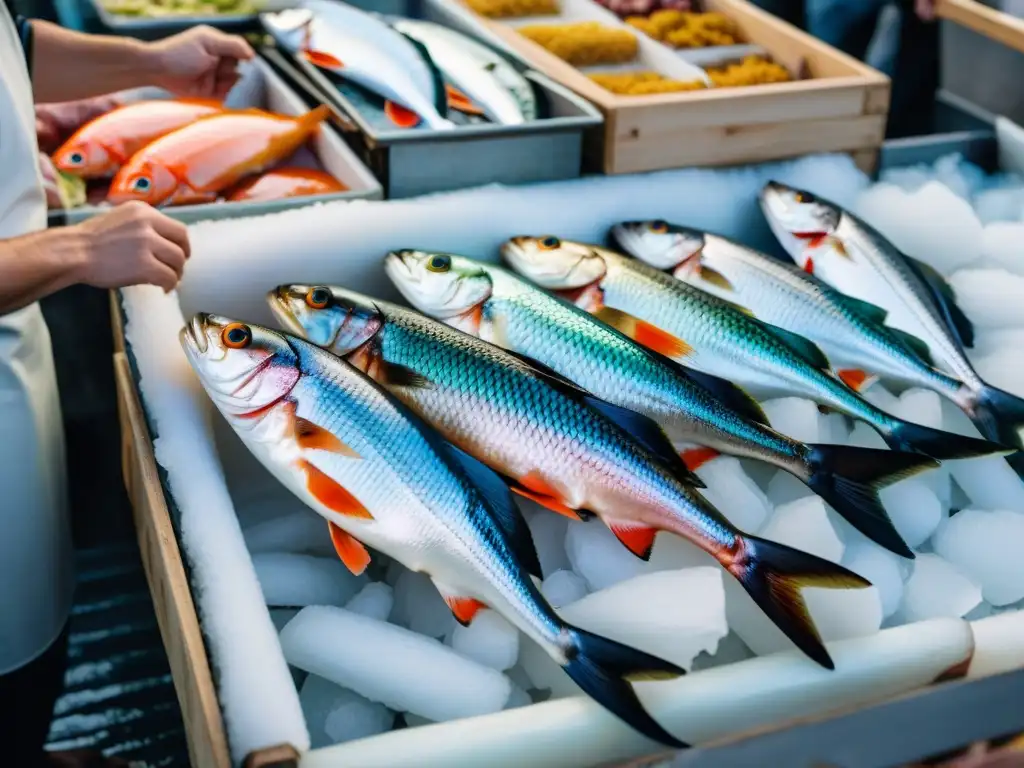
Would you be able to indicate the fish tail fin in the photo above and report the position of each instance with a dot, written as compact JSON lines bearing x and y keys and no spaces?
{"x":998,"y":415}
{"x":773,"y":574}
{"x":907,"y":436}
{"x":604,"y":669}
{"x":849,"y":479}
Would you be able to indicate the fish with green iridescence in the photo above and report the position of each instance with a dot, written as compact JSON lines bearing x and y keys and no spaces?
{"x":382,"y":478}
{"x":554,"y":442}
{"x":497,"y":306}
{"x":856,"y":259}
{"x":715,"y":336}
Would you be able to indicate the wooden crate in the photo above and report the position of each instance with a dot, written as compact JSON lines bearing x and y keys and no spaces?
{"x":842,"y":107}
{"x":995,"y":25}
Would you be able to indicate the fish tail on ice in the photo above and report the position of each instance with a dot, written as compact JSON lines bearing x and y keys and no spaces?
{"x":773,"y":574}
{"x":998,"y":415}
{"x":917,"y":438}
{"x":605,"y":669}
{"x":849,"y":479}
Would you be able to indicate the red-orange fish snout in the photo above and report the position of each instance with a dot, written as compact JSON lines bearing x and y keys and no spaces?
{"x":147,"y":182}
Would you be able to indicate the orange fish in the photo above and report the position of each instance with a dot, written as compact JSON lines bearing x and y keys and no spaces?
{"x":286,"y":182}
{"x":195,"y":163}
{"x":99,"y":148}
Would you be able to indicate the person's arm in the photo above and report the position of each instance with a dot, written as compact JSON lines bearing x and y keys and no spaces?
{"x":67,"y":65}
{"x":132,"y":245}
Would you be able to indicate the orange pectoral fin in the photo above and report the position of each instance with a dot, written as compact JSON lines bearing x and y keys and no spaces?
{"x":400,"y":116}
{"x":309,"y":435}
{"x":695,"y":458}
{"x":535,"y":488}
{"x":637,"y":539}
{"x":323,"y":60}
{"x":809,"y":266}
{"x":352,"y":553}
{"x":331,"y":495}
{"x":645,"y":334}
{"x":856,"y":379}
{"x":464,"y":608}
{"x":460,"y":101}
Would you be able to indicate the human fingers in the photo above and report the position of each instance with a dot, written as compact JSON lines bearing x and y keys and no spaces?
{"x":158,"y":273}
{"x":171,"y":230}
{"x":170,"y":254}
{"x":225,"y":46}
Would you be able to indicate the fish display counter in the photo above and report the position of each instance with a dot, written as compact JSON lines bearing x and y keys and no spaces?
{"x":319,"y":454}
{"x":294,"y":158}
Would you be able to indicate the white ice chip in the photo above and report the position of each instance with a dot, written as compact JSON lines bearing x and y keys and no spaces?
{"x":936,"y":589}
{"x":971,"y":541}
{"x":300,"y":580}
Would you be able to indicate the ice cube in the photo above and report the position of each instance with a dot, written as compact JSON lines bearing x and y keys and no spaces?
{"x":563,"y":587}
{"x":989,"y":482}
{"x":990,"y":297}
{"x":734,"y":494}
{"x":997,"y":205}
{"x":299,"y":532}
{"x":518,"y":698}
{"x":548,"y":530}
{"x":281,"y":616}
{"x":795,"y":417}
{"x":785,"y":488}
{"x":1002,"y":368}
{"x":913,"y":507}
{"x":879,"y":566}
{"x":969,"y":539}
{"x":673,"y":615}
{"x":598,"y":556}
{"x":375,"y":600}
{"x":405,"y":671}
{"x":672,"y":553}
{"x":1001,"y":244}
{"x":415,"y":721}
{"x":922,"y":406}
{"x":489,"y":639}
{"x":863,"y":436}
{"x":730,"y":650}
{"x":293,"y":581}
{"x":881,"y":398}
{"x":936,"y":588}
{"x":804,"y":524}
{"x":962,"y":178}
{"x":519,"y":677}
{"x":335,"y":715}
{"x":544,"y":673}
{"x":908,"y":179}
{"x":420,"y":607}
{"x":835,"y":430}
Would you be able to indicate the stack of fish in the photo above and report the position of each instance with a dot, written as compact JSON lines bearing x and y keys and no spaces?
{"x":572,"y":379}
{"x":424,"y":74}
{"x":185,"y":151}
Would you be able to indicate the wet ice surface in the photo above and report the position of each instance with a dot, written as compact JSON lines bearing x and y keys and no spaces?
{"x":392,"y":654}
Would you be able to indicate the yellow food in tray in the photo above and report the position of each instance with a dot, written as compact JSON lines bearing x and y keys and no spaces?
{"x":753,"y":70}
{"x":584,"y":44}
{"x":684,"y":29}
{"x":507,"y":9}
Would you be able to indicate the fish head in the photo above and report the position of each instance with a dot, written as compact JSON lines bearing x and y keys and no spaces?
{"x":333,"y":318}
{"x":82,"y":157}
{"x":554,"y":264}
{"x":441,"y":285}
{"x":143,"y":180}
{"x":289,"y":27}
{"x":246,"y":369}
{"x":795,"y":214}
{"x":658,"y":243}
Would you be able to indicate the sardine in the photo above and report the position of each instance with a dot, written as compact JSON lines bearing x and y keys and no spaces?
{"x":712,"y":335}
{"x":383,"y":479}
{"x":500,"y":307}
{"x":555,"y":443}
{"x":856,"y":259}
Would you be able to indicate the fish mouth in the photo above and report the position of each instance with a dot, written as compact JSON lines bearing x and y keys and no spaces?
{"x":193,"y":335}
{"x":280,"y":305}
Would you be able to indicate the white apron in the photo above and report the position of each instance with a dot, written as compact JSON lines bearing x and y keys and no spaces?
{"x":36,"y":568}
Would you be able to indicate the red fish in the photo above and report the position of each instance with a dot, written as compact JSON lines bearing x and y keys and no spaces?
{"x":285,"y":182}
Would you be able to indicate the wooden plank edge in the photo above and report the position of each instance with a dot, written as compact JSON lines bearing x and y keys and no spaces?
{"x":115,"y":319}
{"x":168,"y":584}
{"x":279,"y":756}
{"x":995,"y":25}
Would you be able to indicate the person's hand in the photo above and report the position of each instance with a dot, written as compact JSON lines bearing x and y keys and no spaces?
{"x":925,"y":9}
{"x":199,"y":63}
{"x":56,"y":122}
{"x":134,"y":244}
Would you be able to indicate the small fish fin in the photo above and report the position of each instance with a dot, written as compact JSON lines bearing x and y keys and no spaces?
{"x":809,"y":265}
{"x":314,"y":117}
{"x":715,"y":278}
{"x":463,"y":608}
{"x":638,"y":539}
{"x":945,"y":299}
{"x":914,"y":344}
{"x":323,"y":60}
{"x":352,"y":553}
{"x":801,"y":346}
{"x":856,"y":379}
{"x":459,"y":101}
{"x":644,"y":333}
{"x":695,"y":458}
{"x":729,"y":394}
{"x":313,"y":437}
{"x":506,"y":514}
{"x":555,"y":378}
{"x":400,"y":116}
{"x":329,"y":493}
{"x":865,"y":309}
{"x":401,"y":376}
{"x":185,"y":195}
{"x":735,"y":307}
{"x":533,"y":486}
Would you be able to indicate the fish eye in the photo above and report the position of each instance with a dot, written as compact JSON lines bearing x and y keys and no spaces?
{"x":439,"y":263}
{"x":318,"y":297}
{"x":236,"y":336}
{"x":804,"y":197}
{"x":550,"y":243}
{"x":141,"y":184}
{"x":658,"y":227}
{"x":75,"y":158}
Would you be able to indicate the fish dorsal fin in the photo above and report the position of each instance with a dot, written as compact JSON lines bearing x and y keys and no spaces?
{"x":506,"y":514}
{"x":945,"y":299}
{"x":730,"y":395}
{"x":440,"y":92}
{"x":641,"y":428}
{"x":801,"y":346}
{"x":914,"y":344}
{"x":868,"y":311}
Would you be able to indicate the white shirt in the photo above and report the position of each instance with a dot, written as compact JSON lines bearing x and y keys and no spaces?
{"x":36,"y":554}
